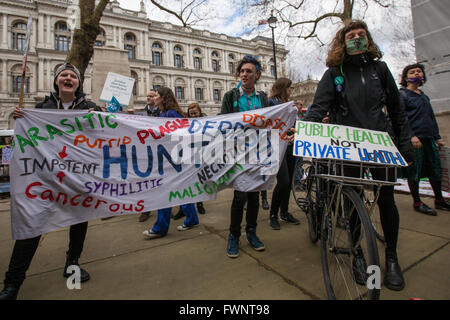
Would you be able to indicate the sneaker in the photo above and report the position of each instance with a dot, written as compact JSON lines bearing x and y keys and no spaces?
{"x":254,"y":241}
{"x":287,"y":217}
{"x":150,"y":234}
{"x":233,"y":246}
{"x":200,"y":208}
{"x":442,"y":205}
{"x":273,"y":223}
{"x":423,"y":208}
{"x":185,"y":227}
{"x":179,"y":215}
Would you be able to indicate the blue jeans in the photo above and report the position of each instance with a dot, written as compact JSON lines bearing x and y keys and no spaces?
{"x":162,"y":223}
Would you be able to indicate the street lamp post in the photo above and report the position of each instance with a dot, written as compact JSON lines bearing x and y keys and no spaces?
{"x":272,"y":24}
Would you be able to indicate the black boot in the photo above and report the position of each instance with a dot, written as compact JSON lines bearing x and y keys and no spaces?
{"x":84,"y":275}
{"x":264,"y":203}
{"x":179,"y":215}
{"x":9,"y":292}
{"x":201,"y":208}
{"x":359,"y":267}
{"x":393,"y":277}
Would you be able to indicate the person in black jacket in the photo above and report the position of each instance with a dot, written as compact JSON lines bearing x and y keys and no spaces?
{"x":425,"y":139}
{"x":68,"y":95}
{"x":244,"y":98}
{"x":354,"y":90}
{"x":280,"y":93}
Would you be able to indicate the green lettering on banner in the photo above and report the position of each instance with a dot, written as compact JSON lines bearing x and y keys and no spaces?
{"x":23,"y":142}
{"x":52,"y":131}
{"x":208,"y":188}
{"x":33,"y":134}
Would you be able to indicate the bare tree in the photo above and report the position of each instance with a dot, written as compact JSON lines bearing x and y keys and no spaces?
{"x":84,"y":37}
{"x":188,"y":12}
{"x":305,"y":28}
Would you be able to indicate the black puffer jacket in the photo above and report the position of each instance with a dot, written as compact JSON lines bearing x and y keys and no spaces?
{"x":362,"y":101}
{"x":80,"y":103}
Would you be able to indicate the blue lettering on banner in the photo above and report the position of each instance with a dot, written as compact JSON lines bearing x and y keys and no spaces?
{"x":380,"y":156}
{"x":315,"y":150}
{"x":122,"y":160}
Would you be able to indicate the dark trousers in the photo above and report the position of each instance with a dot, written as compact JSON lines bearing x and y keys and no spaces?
{"x":24,"y":251}
{"x":237,"y":211}
{"x":282,"y":191}
{"x":389,"y":216}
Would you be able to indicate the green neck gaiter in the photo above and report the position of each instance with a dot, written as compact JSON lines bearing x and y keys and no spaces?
{"x":356,"y":45}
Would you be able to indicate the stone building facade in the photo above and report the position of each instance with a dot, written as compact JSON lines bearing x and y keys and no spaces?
{"x":305,"y":91}
{"x":197,"y":65}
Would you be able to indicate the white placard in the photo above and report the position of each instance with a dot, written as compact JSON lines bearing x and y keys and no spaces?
{"x":332,"y":141}
{"x":118,"y":86}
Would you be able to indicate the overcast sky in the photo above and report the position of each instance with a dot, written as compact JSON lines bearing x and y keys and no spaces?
{"x":390,"y":28}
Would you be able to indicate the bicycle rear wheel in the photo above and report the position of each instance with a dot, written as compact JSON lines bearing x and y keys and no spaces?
{"x":346,"y":232}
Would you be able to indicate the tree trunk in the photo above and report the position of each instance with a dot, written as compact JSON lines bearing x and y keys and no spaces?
{"x":83,"y":38}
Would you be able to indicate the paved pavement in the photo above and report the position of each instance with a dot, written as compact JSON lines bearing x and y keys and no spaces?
{"x":193,"y":264}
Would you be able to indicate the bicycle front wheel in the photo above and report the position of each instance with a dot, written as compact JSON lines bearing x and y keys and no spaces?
{"x":305,"y":191}
{"x":348,"y":247}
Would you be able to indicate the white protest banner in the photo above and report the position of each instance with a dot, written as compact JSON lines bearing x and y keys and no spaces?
{"x":119,"y":86}
{"x":331,"y":141}
{"x":73,"y":166}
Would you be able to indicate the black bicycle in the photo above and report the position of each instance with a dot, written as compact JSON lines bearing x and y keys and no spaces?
{"x":337,"y":210}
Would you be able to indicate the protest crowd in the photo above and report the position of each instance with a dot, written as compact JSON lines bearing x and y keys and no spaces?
{"x":357,"y":90}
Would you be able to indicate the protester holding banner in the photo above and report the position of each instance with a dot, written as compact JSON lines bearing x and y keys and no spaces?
{"x":425,"y":139}
{"x":194,"y":111}
{"x":152,"y":111}
{"x":67,"y":95}
{"x":280,"y":93}
{"x":355,"y":89}
{"x":165,"y":100}
{"x":244,"y":97}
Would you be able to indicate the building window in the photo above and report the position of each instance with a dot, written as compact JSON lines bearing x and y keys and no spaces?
{"x":62,"y":37}
{"x":101,"y":39}
{"x":179,"y":92}
{"x":215,"y":65}
{"x":135,"y":77}
{"x":178,"y":61}
{"x":16,"y":83}
{"x":156,"y":87}
{"x":231,"y":67}
{"x":216,"y":95}
{"x":156,"y":58}
{"x":272,"y":70}
{"x":130,"y":45}
{"x":177,"y":49}
{"x":198,"y":94}
{"x":19,"y":35}
{"x":157,"y":52}
{"x":197,"y":63}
